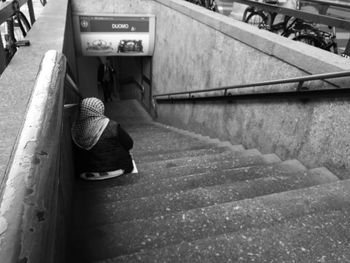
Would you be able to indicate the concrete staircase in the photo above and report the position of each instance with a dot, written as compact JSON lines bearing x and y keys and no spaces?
{"x":196,"y":199}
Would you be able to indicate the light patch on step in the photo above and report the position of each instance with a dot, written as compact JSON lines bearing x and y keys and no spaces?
{"x":134,"y":171}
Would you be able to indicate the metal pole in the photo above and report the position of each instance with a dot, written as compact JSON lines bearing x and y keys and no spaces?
{"x":31,"y":11}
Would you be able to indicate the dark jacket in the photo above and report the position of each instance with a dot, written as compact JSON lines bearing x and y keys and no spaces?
{"x":105,"y":73}
{"x":110,"y":153}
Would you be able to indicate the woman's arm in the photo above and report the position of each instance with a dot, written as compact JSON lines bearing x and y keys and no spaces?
{"x":125,"y":139}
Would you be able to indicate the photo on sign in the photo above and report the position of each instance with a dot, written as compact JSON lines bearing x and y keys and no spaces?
{"x":99,"y":45}
{"x":124,"y":46}
{"x":130,"y":46}
{"x":114,"y":45}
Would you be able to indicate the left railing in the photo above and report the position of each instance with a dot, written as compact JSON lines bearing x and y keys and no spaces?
{"x":9,"y":41}
{"x":29,"y":209}
{"x":315,"y":18}
{"x":8,"y":9}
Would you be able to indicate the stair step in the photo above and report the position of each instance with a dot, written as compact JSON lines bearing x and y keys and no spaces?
{"x":166,"y":145}
{"x":184,"y":183}
{"x":160,"y":132}
{"x":198,"y":199}
{"x":319,"y":237}
{"x":226,"y":156}
{"x":153,"y":152}
{"x":156,"y":173}
{"x":168,"y":203}
{"x":126,"y":110}
{"x":151,"y":129}
{"x":188,"y":134}
{"x":112,"y":240}
{"x":153,"y":157}
{"x":154,"y":134}
{"x":139,"y":127}
{"x":133,"y":122}
{"x":224,"y":160}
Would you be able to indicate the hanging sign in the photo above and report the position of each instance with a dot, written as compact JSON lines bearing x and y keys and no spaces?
{"x":122,"y":35}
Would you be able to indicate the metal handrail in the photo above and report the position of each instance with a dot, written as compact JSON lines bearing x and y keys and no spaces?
{"x":299,"y":88}
{"x":73,"y":86}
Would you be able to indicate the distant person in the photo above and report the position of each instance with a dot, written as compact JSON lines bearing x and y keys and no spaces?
{"x":103,"y":146}
{"x":105,"y":79}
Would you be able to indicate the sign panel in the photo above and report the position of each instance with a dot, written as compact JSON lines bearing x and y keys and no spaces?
{"x":107,"y":35}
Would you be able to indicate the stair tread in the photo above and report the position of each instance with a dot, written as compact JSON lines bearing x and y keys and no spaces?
{"x":166,"y":145}
{"x":319,"y":237}
{"x":164,"y":139}
{"x":163,"y":156}
{"x":197,"y":199}
{"x":178,"y":168}
{"x":207,"y":194}
{"x":115,"y":192}
{"x":129,"y":237}
{"x":226,"y":156}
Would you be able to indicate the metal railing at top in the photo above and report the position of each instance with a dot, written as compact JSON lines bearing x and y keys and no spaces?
{"x":341,"y":4}
{"x":12,"y":20}
{"x":315,"y":18}
{"x":190,"y":95}
{"x":337,"y":4}
{"x":8,"y":8}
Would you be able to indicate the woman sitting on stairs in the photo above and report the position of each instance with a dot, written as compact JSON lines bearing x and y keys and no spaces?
{"x":103,"y":145}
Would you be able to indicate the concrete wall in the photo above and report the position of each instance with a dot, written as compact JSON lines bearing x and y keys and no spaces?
{"x":35,"y":197}
{"x":219,"y":51}
{"x":198,"y":49}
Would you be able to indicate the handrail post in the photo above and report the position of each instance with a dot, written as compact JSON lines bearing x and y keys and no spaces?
{"x":154,"y":106}
{"x":2,"y":57}
{"x":300,"y":86}
{"x":31,"y":11}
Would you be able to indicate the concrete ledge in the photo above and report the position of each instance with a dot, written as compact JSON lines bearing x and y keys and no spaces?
{"x":200,"y":49}
{"x":17,"y":81}
{"x":28,"y":205}
{"x":24,"y":212}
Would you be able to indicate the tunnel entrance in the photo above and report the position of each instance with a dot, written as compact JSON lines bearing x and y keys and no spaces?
{"x":130,"y":78}
{"x":115,"y":56}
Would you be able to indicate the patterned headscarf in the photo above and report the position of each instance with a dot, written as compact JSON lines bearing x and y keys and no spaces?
{"x":91,"y":123}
